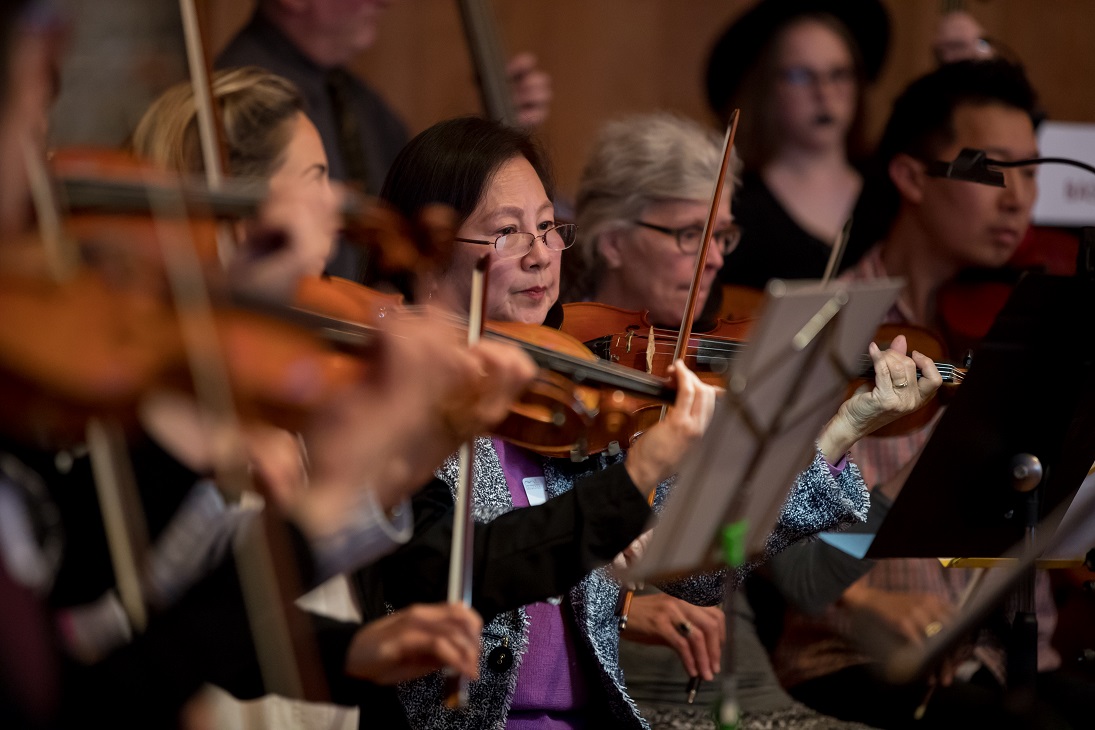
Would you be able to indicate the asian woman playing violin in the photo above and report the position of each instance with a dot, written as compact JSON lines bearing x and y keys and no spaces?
{"x":551,"y":662}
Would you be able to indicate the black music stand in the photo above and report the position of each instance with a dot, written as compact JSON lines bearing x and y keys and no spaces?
{"x":1030,"y":391}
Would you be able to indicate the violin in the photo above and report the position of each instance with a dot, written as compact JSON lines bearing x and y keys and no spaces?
{"x":967,"y":306}
{"x":87,"y":346}
{"x":631,"y":339}
{"x":578,"y":405}
{"x":628,"y":338}
{"x":118,"y":188}
{"x":928,"y":343}
{"x":104,"y":329}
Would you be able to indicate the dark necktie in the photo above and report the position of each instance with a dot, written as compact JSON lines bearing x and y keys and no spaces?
{"x":340,"y":89}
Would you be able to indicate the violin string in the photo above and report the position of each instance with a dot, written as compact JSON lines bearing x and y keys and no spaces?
{"x":714,"y":349}
{"x":733,"y":348}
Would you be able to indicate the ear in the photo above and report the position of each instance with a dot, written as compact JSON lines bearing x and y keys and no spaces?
{"x":610,"y":245}
{"x":908,"y":176}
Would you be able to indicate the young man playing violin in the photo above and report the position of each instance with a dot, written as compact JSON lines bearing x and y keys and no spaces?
{"x":937,"y":228}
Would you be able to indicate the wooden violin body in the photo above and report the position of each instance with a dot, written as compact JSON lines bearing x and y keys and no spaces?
{"x":629,"y":338}
{"x":556,"y":416}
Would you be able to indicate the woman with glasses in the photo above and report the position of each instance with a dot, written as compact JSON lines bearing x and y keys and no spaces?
{"x":797,"y":70}
{"x":642,"y":204}
{"x":553,"y":662}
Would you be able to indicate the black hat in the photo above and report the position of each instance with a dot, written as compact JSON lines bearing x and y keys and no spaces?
{"x":742,"y":43}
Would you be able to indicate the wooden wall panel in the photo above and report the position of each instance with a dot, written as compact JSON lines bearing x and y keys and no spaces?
{"x":611,"y":57}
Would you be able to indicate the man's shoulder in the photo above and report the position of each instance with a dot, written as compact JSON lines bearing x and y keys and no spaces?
{"x":249,"y":47}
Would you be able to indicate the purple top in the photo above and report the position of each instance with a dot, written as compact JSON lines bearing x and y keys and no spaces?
{"x":551,"y":684}
{"x":838,"y":467}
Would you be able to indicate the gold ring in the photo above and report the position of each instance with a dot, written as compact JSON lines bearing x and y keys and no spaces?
{"x":932,"y":629}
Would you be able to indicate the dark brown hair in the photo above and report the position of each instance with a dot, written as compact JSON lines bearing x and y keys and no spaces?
{"x":756,"y":140}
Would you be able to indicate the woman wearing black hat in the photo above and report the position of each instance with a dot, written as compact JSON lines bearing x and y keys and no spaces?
{"x":797,"y":71}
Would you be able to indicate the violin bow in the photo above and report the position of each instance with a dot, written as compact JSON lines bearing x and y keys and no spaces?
{"x":112,"y":472}
{"x":708,"y":232}
{"x":266,"y":590}
{"x":837,"y":254}
{"x":455,"y":693}
{"x":685,"y":333}
{"x":485,"y":48}
{"x":210,"y":130}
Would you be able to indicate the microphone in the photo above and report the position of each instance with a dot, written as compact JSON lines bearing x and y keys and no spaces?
{"x":973,"y":165}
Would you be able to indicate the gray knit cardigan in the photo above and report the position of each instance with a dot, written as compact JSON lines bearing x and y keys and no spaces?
{"x":817,"y":502}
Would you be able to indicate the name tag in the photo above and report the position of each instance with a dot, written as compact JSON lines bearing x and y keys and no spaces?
{"x":534,"y":490}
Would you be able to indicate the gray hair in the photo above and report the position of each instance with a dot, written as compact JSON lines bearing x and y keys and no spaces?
{"x":636,"y":161}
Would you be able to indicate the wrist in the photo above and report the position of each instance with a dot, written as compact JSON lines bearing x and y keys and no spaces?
{"x":643,"y":474}
{"x":839,"y":435}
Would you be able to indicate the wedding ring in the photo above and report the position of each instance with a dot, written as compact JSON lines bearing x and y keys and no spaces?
{"x":901,"y":385}
{"x":684,"y":628}
{"x":932,"y":629}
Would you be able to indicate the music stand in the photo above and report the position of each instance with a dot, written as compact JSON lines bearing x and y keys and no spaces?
{"x":909,"y":662}
{"x":1029,"y":392}
{"x":807,"y":346}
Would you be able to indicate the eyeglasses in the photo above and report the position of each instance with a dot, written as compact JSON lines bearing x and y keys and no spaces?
{"x":689,"y":238}
{"x":515,"y":245}
{"x":802,"y":76}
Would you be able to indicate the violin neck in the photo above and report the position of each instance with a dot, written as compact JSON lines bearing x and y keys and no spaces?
{"x":952,"y":374}
{"x":595,"y":373}
{"x":343,"y":335}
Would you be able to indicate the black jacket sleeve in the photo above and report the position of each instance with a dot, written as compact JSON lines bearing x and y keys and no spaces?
{"x":209,"y":636}
{"x":812,"y":575}
{"x":521,"y":557}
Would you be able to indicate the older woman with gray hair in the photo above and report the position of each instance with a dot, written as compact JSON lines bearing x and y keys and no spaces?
{"x":641,"y":207}
{"x":642,"y":203}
